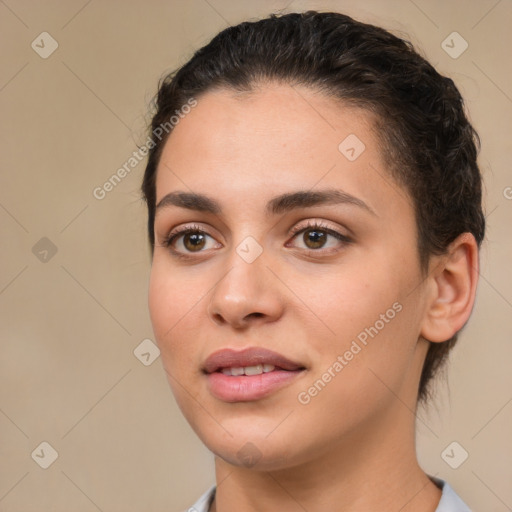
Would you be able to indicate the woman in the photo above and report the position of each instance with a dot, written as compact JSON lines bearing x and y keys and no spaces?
{"x":314,"y":219}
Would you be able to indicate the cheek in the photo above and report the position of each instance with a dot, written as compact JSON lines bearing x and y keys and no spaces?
{"x":170,"y":305}
{"x":159,"y":300}
{"x":364,"y":314}
{"x":347,"y":299}
{"x":172,"y":295}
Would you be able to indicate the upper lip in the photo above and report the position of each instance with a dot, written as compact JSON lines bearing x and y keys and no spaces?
{"x":252,"y":356}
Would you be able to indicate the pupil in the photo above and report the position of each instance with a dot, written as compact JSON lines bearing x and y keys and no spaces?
{"x":314,"y":238}
{"x":194,"y":241}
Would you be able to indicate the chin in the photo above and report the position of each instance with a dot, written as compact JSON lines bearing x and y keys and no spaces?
{"x":254,"y":456}
{"x":254,"y":448}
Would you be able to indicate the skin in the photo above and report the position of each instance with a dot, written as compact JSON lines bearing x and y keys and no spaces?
{"x":351,"y":447}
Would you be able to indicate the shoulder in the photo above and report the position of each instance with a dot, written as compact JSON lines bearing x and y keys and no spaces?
{"x":204,"y":502}
{"x":450,"y":500}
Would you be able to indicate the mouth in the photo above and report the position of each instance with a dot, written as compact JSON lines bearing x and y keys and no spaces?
{"x":250,"y":374}
{"x":258,"y":369}
{"x":255,"y":360}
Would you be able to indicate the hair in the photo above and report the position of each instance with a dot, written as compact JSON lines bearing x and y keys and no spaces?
{"x":426,"y":140}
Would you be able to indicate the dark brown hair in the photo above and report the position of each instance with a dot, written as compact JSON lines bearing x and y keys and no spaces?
{"x":427,"y":141}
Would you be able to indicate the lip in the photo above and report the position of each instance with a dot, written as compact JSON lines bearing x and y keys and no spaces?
{"x":229,"y":358}
{"x":246,"y":388}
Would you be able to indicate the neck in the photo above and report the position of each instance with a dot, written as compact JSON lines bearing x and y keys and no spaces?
{"x":367,"y":470}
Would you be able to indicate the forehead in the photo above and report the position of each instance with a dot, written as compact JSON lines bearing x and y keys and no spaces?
{"x":276,"y":138}
{"x":267,"y":123}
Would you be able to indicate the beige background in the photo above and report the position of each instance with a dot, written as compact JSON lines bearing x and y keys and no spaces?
{"x":70,"y":324}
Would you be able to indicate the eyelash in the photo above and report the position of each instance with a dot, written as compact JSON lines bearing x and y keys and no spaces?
{"x":310,"y":226}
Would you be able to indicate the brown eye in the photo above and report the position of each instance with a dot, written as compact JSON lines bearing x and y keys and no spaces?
{"x":319,"y":238}
{"x":194,"y":241}
{"x":190,"y":240}
{"x":314,"y":238}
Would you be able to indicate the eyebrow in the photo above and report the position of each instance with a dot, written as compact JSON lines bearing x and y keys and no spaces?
{"x":277,"y":205}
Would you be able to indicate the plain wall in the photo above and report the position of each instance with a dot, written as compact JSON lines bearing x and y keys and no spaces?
{"x":72,"y":320}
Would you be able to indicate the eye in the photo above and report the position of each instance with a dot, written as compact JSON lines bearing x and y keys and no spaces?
{"x":189,"y":239}
{"x":316,"y":238}
{"x":316,"y":235}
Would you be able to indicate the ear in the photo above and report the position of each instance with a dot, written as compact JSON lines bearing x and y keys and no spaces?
{"x":452,"y":287}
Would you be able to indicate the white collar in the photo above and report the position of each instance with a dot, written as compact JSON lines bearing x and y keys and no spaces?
{"x":450,"y":501}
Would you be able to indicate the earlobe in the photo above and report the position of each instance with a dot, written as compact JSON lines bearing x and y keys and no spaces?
{"x":452,"y":288}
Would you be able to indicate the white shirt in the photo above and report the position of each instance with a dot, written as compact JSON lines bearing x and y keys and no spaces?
{"x":450,"y":501}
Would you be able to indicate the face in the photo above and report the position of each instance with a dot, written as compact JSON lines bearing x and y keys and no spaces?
{"x":296,"y":241}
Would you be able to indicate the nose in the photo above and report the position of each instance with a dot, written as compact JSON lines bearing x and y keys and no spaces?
{"x":247,"y":294}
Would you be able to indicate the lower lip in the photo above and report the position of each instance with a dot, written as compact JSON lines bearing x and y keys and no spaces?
{"x":247,"y":388}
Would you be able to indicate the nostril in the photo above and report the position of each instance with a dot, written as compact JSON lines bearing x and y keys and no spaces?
{"x":217,"y":319}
